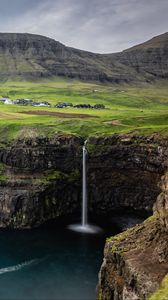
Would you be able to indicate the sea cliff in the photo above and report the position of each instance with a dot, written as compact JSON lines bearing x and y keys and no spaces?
{"x":41,"y":177}
{"x":135,"y":265}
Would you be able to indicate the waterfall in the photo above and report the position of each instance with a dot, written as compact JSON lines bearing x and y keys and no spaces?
{"x":84,"y":188}
{"x":84,"y":226}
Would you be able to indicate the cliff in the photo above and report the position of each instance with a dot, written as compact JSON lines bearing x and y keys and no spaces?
{"x":136,"y":261}
{"x":33,"y":56}
{"x":40,"y":180}
{"x":41,"y":177}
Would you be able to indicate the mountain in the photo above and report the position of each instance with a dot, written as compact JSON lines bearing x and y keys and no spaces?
{"x":149,"y":59}
{"x":34,"y":56}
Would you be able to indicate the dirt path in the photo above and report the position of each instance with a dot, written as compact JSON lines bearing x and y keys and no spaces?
{"x":57,"y":114}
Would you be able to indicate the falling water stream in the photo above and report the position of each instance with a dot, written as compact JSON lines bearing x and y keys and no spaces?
{"x":85,"y":227}
{"x":84,"y":189}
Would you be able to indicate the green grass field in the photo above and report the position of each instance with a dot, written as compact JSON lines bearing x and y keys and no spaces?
{"x":142,"y":110}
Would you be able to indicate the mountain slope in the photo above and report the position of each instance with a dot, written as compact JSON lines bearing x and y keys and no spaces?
{"x":35,"y":56}
{"x":150,"y":59}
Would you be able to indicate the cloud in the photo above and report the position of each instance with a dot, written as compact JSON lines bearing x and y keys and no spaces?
{"x":94,"y":25}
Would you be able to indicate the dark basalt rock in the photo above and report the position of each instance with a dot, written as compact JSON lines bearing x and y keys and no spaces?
{"x":124,"y":171}
{"x":136,"y":261}
{"x":44,"y":177}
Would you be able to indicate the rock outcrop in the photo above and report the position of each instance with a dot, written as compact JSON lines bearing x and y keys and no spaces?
{"x":136,"y":261}
{"x":161,"y":206}
{"x":125,"y":171}
{"x":33,"y":56}
{"x":41,"y":177}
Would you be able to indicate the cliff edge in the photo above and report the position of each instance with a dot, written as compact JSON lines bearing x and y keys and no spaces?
{"x":136,"y":261}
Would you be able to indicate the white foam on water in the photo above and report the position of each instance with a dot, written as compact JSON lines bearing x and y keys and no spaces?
{"x":17,"y":267}
{"x":91,"y":229}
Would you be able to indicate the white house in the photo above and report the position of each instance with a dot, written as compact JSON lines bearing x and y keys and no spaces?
{"x":8,"y":101}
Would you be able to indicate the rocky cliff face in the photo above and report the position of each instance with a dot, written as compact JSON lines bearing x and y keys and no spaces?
{"x":136,"y":261}
{"x":34,"y":56}
{"x":161,"y":205}
{"x":124,"y":171}
{"x":41,"y":177}
{"x":42,"y":180}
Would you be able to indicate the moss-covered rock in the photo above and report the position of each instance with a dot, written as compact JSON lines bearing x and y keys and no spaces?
{"x":162,"y":292}
{"x":137,"y":258}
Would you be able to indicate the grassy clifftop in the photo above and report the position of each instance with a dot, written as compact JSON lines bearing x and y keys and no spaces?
{"x":141,"y":110}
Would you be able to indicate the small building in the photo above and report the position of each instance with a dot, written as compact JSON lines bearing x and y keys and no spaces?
{"x":99,"y":106}
{"x":2,"y":100}
{"x":83,"y":106}
{"x":63,"y":104}
{"x":8,"y":102}
{"x":23,"y":101}
{"x":41,"y":104}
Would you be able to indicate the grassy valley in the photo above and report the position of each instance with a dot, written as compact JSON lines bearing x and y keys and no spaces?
{"x":141,"y":110}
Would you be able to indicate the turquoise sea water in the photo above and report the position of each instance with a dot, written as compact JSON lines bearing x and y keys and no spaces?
{"x":50,"y":263}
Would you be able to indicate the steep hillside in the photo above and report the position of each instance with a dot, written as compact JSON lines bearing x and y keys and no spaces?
{"x":149,"y":59}
{"x":29,"y":55}
{"x":34,"y":56}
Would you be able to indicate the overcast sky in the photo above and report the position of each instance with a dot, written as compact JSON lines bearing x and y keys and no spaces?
{"x":96,"y":25}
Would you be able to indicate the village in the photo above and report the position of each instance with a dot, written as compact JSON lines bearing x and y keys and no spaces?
{"x":30,"y":102}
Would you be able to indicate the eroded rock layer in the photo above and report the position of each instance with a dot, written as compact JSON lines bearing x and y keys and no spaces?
{"x":41,"y":177}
